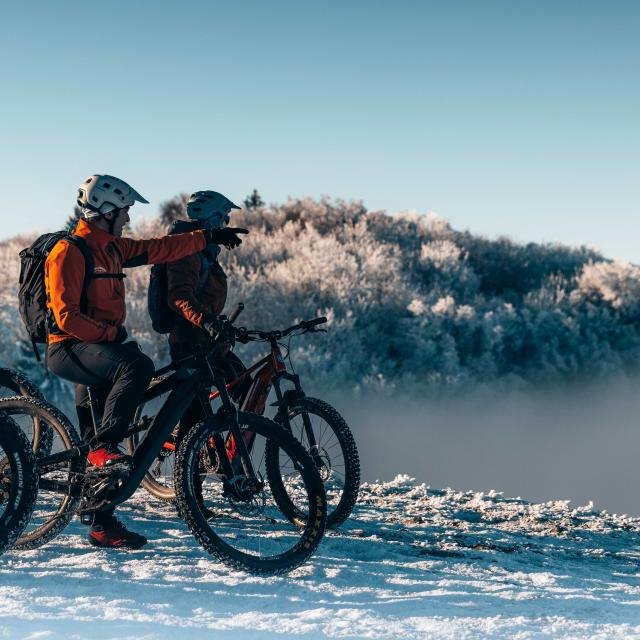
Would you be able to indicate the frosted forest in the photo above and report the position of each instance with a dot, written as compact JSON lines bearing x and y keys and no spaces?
{"x":413,"y":305}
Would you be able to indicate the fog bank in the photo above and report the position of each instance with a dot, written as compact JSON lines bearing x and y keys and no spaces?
{"x":579,"y":443}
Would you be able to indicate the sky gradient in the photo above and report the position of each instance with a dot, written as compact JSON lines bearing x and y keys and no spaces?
{"x":506,"y":118}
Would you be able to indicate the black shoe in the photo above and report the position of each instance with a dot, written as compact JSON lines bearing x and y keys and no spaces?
{"x":113,"y":534}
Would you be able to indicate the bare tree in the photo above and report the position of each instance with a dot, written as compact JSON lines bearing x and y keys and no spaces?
{"x":174,"y":209}
{"x":72,"y":220}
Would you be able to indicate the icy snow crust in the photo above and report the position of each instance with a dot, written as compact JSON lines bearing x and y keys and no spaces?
{"x":413,"y":562}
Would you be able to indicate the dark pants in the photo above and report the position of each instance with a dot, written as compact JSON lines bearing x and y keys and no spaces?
{"x":119,"y":372}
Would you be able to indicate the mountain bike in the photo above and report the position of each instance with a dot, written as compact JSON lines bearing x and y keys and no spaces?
{"x":233,"y":504}
{"x":18,"y":481}
{"x":316,"y":424}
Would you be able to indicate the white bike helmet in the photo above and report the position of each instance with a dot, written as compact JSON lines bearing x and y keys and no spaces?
{"x":100,"y":194}
{"x":211,"y":206}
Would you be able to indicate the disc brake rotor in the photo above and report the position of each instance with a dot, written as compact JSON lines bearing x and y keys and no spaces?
{"x":247,"y":496}
{"x":323,"y":461}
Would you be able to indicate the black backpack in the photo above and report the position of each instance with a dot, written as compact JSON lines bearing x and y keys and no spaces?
{"x":163,"y":318}
{"x":32,"y":295}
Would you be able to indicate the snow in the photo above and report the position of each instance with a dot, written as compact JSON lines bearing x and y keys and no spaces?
{"x":412,"y":562}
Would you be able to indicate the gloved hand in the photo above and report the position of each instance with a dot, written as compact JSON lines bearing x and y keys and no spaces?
{"x":227,"y":236}
{"x":121,"y":334}
{"x":242,"y":335}
{"x":220,"y":329}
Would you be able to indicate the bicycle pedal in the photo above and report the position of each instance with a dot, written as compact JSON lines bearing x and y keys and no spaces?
{"x":116,"y":469}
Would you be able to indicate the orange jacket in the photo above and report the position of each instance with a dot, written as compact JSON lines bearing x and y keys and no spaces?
{"x":192,"y":302}
{"x":106,"y":311}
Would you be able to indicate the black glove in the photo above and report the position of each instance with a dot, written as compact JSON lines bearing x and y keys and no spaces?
{"x":242,"y":335}
{"x":227,"y":236}
{"x":220,"y":330}
{"x":121,"y":334}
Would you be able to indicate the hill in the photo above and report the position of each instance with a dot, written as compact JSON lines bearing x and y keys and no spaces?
{"x":411,"y":302}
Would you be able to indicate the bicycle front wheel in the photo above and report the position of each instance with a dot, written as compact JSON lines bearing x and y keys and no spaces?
{"x":236,"y":519}
{"x":60,"y":483}
{"x":13,"y":383}
{"x":327,"y":438}
{"x":18,"y":481}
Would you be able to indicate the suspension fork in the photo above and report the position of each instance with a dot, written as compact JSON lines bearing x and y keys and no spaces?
{"x":291,"y":398}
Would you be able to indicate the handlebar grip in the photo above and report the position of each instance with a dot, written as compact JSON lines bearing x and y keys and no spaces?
{"x":314,"y":322}
{"x":238,"y":309}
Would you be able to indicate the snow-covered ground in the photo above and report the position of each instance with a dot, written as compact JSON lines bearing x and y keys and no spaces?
{"x":413,"y":562}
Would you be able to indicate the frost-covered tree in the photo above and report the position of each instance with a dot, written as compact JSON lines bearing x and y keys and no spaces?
{"x":411,"y":302}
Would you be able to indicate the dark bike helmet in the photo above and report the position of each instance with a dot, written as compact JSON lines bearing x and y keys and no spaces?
{"x":210,"y":206}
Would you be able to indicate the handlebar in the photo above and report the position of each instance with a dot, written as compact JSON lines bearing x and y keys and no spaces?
{"x":245,"y":335}
{"x":312,"y":323}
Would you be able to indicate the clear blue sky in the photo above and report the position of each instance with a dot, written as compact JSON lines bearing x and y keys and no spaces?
{"x":517,"y":118}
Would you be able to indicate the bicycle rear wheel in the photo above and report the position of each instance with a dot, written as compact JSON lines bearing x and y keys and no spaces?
{"x":18,"y":481}
{"x":13,"y":383}
{"x":158,"y":480}
{"x":239,"y":523}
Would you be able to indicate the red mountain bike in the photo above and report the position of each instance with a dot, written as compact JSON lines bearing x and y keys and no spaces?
{"x":316,"y":424}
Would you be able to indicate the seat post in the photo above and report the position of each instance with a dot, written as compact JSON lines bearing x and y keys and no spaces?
{"x":95,"y":410}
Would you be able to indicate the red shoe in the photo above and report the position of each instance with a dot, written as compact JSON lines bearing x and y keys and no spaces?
{"x":114,"y":535}
{"x":107,"y":457}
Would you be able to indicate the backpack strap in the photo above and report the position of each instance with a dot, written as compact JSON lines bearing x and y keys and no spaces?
{"x":82,"y":246}
{"x":204,"y":271}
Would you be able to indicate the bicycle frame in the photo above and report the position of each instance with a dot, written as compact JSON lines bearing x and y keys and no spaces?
{"x":184,"y":385}
{"x":270,"y":371}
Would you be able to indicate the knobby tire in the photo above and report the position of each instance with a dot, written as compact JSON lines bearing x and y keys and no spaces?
{"x":19,"y":459}
{"x":191,"y":509}
{"x":336,"y":513}
{"x":45,"y":414}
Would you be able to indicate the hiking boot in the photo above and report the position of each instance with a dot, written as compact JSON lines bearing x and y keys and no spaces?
{"x":108,"y":456}
{"x":114,"y":535}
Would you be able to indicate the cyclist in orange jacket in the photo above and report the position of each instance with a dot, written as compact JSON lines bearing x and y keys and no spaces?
{"x":87,"y":347}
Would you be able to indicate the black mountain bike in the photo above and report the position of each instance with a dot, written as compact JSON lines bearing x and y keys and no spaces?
{"x":229,"y":498}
